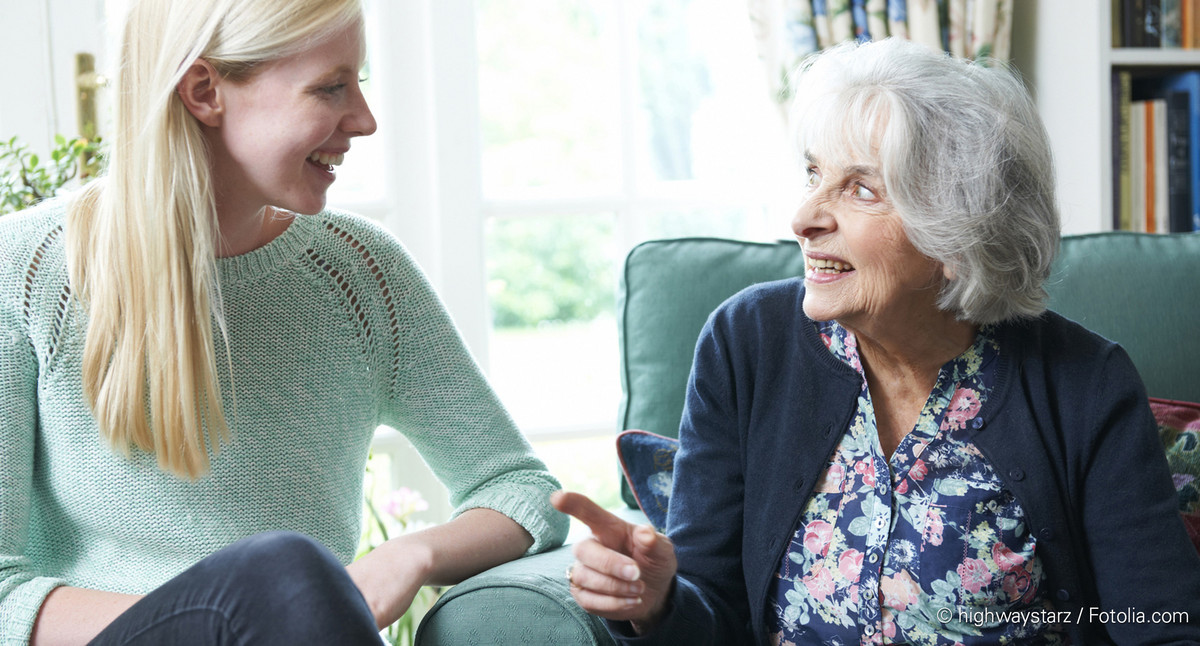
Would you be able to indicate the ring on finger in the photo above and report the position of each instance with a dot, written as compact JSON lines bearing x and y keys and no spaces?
{"x":570,"y":573}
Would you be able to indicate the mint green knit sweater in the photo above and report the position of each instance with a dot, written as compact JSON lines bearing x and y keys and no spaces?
{"x":333,"y":330}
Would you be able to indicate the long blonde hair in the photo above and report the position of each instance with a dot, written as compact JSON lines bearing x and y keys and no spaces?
{"x":141,"y":242}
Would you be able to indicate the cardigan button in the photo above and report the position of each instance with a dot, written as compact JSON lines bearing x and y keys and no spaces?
{"x":799,"y":484}
{"x":1063,"y":595}
{"x":828,"y":430}
{"x":978,"y":423}
{"x":1016,"y":474}
{"x":1046,"y":534}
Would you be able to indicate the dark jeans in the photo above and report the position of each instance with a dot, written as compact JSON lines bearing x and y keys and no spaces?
{"x":272,"y":588}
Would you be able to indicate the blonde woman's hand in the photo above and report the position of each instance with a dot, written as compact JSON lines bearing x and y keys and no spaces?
{"x":624,"y":572}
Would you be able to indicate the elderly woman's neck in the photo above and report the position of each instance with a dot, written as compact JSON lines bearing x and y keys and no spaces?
{"x":902,"y":364}
{"x":917,"y":350}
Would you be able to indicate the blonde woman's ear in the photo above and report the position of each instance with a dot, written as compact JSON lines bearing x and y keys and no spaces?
{"x":200,"y":92}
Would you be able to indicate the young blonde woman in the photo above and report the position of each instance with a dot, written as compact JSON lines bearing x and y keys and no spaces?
{"x":191,"y":372}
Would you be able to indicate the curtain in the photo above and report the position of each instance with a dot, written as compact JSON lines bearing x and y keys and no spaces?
{"x":789,"y":30}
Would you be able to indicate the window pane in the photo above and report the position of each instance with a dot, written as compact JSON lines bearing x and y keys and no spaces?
{"x":588,"y":465}
{"x":549,"y":95}
{"x":705,"y":110}
{"x":553,"y":349}
{"x":741,"y":223}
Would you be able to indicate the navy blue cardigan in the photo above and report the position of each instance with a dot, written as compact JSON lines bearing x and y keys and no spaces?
{"x":1067,"y":428}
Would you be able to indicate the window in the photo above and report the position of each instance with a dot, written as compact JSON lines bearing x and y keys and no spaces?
{"x":604,"y":123}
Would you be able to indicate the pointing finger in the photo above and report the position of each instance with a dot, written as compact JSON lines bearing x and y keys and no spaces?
{"x":608,"y":528}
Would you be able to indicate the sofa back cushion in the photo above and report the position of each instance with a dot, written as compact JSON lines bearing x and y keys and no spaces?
{"x":1141,"y":290}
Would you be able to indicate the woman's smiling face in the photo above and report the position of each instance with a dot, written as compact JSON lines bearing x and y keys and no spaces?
{"x":860,"y":268}
{"x":285,"y":128}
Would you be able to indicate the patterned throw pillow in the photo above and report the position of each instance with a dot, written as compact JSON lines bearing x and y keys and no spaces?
{"x":1179,"y":430}
{"x":648,"y":461}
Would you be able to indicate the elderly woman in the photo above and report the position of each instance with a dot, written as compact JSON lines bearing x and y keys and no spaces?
{"x":904,"y":446}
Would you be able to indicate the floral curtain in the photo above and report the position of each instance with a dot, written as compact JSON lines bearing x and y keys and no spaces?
{"x":789,"y":30}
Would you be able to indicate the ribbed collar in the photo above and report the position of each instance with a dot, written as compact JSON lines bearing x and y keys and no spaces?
{"x":285,"y":248}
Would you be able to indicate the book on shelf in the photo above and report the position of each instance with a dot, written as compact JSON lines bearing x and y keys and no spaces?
{"x":1156,"y":160}
{"x":1188,"y":84}
{"x":1171,"y":24}
{"x":1156,"y":152}
{"x":1179,"y":171}
{"x":1166,"y":24}
{"x":1149,"y":177}
{"x":1137,"y":167}
{"x":1121,"y":147}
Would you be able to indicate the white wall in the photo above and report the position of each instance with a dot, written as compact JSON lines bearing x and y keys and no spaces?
{"x":1058,"y":47}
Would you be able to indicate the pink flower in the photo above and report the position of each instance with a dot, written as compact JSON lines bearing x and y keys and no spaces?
{"x":817,"y":535}
{"x":918,"y":471}
{"x":974,"y":574}
{"x":889,"y":624}
{"x":403,"y":502}
{"x":964,"y":406}
{"x":819,"y":584}
{"x":866,"y":468}
{"x":902,"y":488}
{"x":1006,"y":559}
{"x":850,"y":564}
{"x":834,"y":476}
{"x":899,"y":591}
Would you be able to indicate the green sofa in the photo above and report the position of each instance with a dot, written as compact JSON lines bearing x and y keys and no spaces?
{"x":1141,"y":290}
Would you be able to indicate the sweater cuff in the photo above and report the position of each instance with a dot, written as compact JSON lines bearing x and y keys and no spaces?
{"x":20,"y":606}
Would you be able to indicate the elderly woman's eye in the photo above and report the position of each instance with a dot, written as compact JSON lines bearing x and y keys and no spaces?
{"x":863,"y":193}
{"x":811,"y":177}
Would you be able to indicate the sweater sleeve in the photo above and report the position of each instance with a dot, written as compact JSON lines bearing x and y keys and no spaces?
{"x":22,"y":590}
{"x":708,"y":604}
{"x":1142,"y":559}
{"x":441,"y":401}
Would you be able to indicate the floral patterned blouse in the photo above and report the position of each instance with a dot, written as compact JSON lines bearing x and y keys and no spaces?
{"x":928,"y":547}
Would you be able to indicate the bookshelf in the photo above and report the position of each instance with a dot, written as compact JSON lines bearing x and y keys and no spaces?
{"x":1064,"y":50}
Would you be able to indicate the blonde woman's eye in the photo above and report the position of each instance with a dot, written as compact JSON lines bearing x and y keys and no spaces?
{"x":863,"y":193}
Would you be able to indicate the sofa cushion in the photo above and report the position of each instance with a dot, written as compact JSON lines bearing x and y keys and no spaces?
{"x":1138,"y":289}
{"x":648,"y":461}
{"x":1179,"y":430}
{"x":668,"y":289}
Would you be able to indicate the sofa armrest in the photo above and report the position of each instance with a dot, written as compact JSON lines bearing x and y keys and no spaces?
{"x":525,"y":601}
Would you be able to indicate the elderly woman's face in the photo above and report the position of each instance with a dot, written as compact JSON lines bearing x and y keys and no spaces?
{"x":860,"y":268}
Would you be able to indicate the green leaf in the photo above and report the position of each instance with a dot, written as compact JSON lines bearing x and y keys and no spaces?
{"x":947,"y":487}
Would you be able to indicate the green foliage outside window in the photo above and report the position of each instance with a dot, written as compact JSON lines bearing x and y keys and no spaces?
{"x":26,"y":178}
{"x":550,"y":270}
